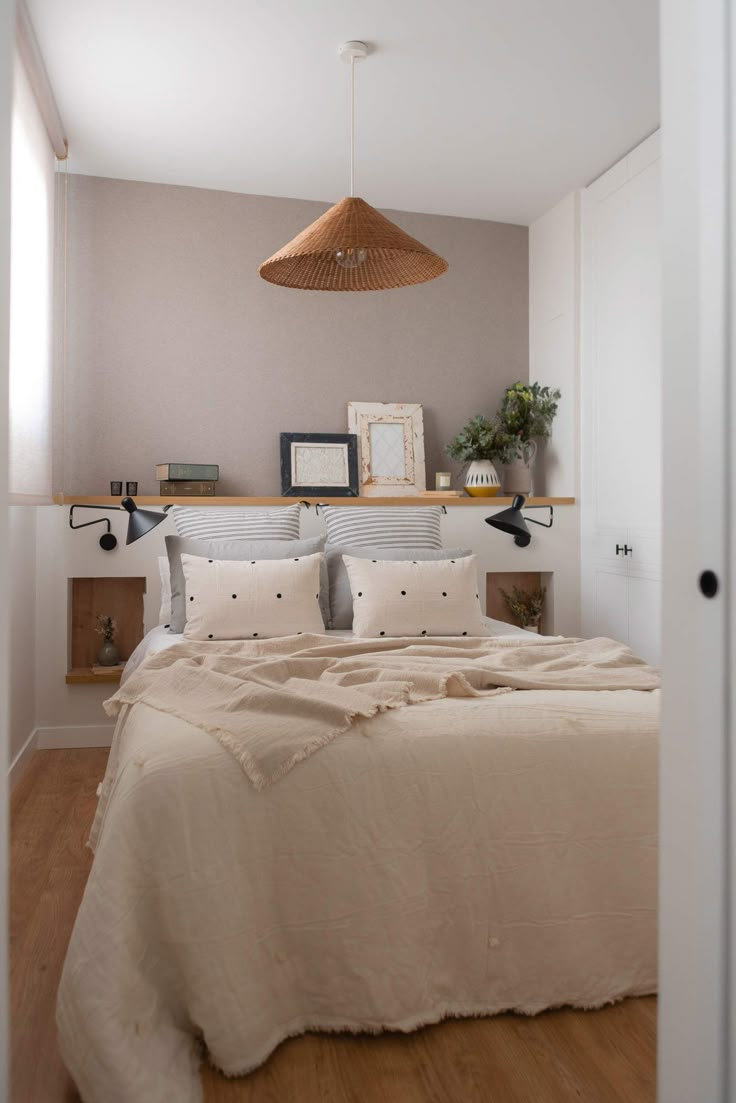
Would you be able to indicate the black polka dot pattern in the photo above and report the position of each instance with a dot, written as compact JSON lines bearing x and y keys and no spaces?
{"x":235,"y":595}
{"x":191,"y":598}
{"x":403,"y":593}
{"x":278,"y":595}
{"x":210,"y":636}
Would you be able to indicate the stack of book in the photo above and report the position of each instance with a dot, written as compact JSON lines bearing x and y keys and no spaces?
{"x":187,"y":480}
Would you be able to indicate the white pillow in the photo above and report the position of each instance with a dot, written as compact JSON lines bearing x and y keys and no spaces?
{"x":408,"y":598}
{"x":384,"y":526}
{"x":233,"y":522}
{"x":164,"y":612}
{"x":230,"y":599}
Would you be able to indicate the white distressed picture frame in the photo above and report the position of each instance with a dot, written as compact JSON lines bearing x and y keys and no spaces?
{"x":399,"y":468}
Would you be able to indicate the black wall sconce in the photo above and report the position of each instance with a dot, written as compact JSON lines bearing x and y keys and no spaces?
{"x":513,"y":521}
{"x":140,"y":521}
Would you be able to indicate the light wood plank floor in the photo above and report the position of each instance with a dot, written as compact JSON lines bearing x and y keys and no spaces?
{"x":605,"y":1056}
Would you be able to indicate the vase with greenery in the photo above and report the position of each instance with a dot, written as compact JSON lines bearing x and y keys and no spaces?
{"x":525,"y":416}
{"x":478,"y":444}
{"x":108,"y":655}
{"x":525,"y":606}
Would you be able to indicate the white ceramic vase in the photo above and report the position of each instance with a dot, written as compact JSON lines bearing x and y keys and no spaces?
{"x":481,"y":479}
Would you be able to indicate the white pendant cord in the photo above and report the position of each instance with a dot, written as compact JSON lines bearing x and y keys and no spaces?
{"x":352,"y":127}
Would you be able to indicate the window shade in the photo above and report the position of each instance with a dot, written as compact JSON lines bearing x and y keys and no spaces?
{"x":31,"y":297}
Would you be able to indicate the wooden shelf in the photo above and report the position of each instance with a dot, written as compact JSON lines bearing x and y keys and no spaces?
{"x":118,"y":597}
{"x":144,"y":500}
{"x":83,"y":676}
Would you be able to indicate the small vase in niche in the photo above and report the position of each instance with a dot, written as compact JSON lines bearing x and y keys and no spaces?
{"x":108,"y":655}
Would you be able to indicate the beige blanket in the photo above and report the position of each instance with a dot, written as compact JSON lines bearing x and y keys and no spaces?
{"x":272,"y":703}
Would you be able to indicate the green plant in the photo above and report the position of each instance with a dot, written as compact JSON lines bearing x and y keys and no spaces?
{"x":525,"y":605}
{"x":106,"y":627}
{"x":480,"y":439}
{"x":527,"y":411}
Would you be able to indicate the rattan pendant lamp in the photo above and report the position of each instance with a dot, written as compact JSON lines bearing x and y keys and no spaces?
{"x":352,"y":247}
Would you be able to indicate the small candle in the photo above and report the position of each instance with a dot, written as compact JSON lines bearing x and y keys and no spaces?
{"x":443,"y":480}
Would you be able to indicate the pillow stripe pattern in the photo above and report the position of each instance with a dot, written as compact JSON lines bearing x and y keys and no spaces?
{"x":384,"y":526}
{"x":231,"y":522}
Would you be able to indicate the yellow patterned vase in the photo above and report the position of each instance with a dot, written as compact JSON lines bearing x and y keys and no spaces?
{"x":481,"y":479}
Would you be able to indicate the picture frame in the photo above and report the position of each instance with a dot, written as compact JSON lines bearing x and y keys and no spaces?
{"x":391,"y":447}
{"x":317,"y":465}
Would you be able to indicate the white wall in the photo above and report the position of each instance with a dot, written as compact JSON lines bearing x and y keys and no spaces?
{"x":553,"y":338}
{"x":22,"y":632}
{"x":7,"y":21}
{"x":73,"y":716}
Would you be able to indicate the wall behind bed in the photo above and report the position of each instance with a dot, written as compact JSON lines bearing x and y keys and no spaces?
{"x":72,"y":715}
{"x":177,"y":350}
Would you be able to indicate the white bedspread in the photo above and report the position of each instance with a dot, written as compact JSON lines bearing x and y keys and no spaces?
{"x":455,"y":857}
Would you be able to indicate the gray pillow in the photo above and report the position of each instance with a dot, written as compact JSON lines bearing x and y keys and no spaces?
{"x":236,"y":549}
{"x":341,"y":598}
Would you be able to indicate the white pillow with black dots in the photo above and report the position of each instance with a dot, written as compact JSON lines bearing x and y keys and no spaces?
{"x":415,"y":598}
{"x":251,"y":599}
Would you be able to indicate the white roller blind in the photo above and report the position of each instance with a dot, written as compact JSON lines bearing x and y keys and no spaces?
{"x":31,"y":298}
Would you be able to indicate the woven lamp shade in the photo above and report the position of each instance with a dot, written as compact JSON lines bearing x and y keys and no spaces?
{"x":392,"y":257}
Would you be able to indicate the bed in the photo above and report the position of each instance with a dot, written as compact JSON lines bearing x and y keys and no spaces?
{"x":455,"y":857}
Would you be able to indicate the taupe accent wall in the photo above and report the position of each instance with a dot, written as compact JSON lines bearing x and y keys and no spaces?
{"x":177,"y":350}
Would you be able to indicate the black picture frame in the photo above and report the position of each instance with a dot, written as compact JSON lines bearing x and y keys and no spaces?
{"x":290,"y":489}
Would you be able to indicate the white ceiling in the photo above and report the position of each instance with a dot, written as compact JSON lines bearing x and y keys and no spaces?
{"x":480,"y":108}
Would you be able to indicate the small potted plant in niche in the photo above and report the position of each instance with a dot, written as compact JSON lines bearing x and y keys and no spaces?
{"x":526,"y":414}
{"x":478,"y":444}
{"x":525,"y":606}
{"x":108,"y":655}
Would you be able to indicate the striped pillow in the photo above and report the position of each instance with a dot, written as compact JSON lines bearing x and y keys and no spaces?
{"x":233,"y":523}
{"x":384,"y":526}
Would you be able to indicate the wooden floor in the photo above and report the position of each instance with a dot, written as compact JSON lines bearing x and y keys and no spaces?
{"x":603,"y":1056}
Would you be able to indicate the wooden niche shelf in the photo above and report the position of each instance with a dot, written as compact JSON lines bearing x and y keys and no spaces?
{"x":119,"y":598}
{"x":497,"y":608}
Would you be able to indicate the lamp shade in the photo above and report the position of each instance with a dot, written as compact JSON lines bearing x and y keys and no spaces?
{"x":512,"y":521}
{"x":140,"y":521}
{"x":374,"y":254}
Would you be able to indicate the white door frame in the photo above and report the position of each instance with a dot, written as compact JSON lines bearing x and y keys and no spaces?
{"x":697,"y":905}
{"x":7,"y":40}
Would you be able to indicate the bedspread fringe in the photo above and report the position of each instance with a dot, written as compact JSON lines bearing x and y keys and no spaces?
{"x":428,"y":1018}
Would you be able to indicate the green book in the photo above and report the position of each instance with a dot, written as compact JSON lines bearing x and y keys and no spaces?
{"x":207,"y":472}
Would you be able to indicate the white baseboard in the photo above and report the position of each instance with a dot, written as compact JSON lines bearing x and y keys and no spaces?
{"x":80,"y":735}
{"x":21,"y":760}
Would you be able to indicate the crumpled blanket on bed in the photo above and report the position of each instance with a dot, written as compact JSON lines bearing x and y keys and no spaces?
{"x":462,"y":856}
{"x":274,"y":702}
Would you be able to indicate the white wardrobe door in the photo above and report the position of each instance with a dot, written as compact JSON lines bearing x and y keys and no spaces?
{"x":645,"y":601}
{"x":610,"y":605}
{"x":623,"y":296}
